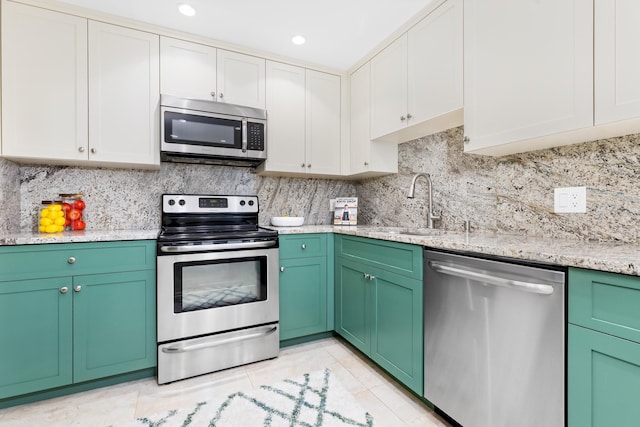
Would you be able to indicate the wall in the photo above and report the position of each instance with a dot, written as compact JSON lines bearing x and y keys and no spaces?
{"x":512,"y":194}
{"x":9,"y":196}
{"x":130,"y":199}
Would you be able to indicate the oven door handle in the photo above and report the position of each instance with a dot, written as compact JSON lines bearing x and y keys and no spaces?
{"x":217,"y":247}
{"x":219,"y":342}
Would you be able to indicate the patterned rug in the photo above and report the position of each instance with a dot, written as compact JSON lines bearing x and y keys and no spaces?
{"x":313,"y":400}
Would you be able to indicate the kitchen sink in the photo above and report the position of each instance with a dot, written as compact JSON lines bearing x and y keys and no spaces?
{"x":410,"y":231}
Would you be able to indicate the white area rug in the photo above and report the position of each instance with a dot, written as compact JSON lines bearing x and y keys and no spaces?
{"x":316,"y":399}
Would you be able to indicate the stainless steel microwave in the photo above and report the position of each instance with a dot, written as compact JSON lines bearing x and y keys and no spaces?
{"x":199,"y":131}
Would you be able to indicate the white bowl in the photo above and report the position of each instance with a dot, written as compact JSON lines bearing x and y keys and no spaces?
{"x":287,"y":221}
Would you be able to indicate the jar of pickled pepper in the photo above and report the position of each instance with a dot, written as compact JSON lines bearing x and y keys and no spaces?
{"x":52,"y":217}
{"x":74,"y":206}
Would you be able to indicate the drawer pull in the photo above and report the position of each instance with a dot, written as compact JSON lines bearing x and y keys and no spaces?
{"x":281,"y":268}
{"x":71,"y":260}
{"x":77,"y":288}
{"x":64,"y":290}
{"x":304,"y":246}
{"x":366,"y":275}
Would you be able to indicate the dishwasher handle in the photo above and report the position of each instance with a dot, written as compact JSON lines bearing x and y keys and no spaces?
{"x":535,"y":288}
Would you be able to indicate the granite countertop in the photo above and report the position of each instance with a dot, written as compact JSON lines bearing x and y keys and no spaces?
{"x":77,"y":237}
{"x":605,"y":256}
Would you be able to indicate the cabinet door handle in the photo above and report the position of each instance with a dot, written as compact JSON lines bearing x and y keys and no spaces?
{"x":467,"y":140}
{"x":71,"y":260}
{"x":366,"y":275}
{"x":309,"y":165}
{"x":64,"y":290}
{"x":81,"y":149}
{"x":93,"y":151}
{"x":221,"y":95}
{"x":281,"y":268}
{"x":77,"y":288}
{"x":366,"y":163}
{"x":372,"y":277}
{"x":303,"y":165}
{"x":409,"y":116}
{"x":213,"y":94}
{"x":303,"y":246}
{"x":403,"y":118}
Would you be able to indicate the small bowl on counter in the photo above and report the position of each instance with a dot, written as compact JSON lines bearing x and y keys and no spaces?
{"x":287,"y":221}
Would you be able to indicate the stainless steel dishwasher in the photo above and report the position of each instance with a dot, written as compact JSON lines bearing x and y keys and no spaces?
{"x":494,"y":341}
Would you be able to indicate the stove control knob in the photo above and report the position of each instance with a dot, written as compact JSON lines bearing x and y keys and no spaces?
{"x":171,"y":202}
{"x":181,"y":202}
{"x":242,"y":202}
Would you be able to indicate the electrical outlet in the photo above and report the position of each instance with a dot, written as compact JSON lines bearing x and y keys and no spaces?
{"x":570,"y":200}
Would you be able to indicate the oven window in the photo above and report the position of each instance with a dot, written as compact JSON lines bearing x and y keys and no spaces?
{"x":202,"y":130}
{"x":202,"y":285}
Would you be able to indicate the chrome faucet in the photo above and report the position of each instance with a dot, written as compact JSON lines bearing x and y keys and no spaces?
{"x":430,"y":215}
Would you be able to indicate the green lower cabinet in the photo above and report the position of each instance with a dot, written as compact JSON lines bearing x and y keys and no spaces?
{"x":36,"y":335}
{"x":114,"y":324}
{"x":397,"y":331}
{"x":381,"y":314}
{"x":353,"y":304}
{"x":72,"y":329}
{"x":603,"y":380}
{"x":303,"y":297}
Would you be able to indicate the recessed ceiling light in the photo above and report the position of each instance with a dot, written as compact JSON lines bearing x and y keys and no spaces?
{"x":186,"y":10}
{"x":299,"y":40}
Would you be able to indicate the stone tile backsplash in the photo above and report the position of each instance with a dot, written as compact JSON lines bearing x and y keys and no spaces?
{"x":511,"y":194}
{"x":120,"y":199}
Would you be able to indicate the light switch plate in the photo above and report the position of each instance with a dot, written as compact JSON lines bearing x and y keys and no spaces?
{"x":570,"y":200}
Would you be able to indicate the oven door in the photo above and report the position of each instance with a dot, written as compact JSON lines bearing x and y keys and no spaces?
{"x":200,"y":129}
{"x":211,"y":292}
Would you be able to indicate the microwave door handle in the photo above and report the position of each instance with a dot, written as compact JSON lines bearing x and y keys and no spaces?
{"x":244,"y":135}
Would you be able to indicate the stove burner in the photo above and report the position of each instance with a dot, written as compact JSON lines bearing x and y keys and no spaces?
{"x":197,"y":226}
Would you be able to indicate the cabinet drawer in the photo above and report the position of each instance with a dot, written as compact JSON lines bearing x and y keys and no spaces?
{"x":54,"y":260}
{"x":605,"y":302}
{"x":400,"y":258}
{"x":303,"y":245}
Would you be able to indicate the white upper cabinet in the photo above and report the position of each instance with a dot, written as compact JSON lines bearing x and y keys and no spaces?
{"x":303,"y":128}
{"x":76,"y":91}
{"x":187,"y":70}
{"x":528,"y":73}
{"x":416,"y":82}
{"x":542,"y":74}
{"x":286,"y":131}
{"x":617,"y":60}
{"x":123,"y":95}
{"x":241,"y":79}
{"x":435,"y":69}
{"x":44,"y":84}
{"x":193,"y":70}
{"x":323,"y":149}
{"x":367,"y":158}
{"x":389,"y":89}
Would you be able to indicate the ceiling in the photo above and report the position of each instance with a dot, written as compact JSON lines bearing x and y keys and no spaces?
{"x":338,"y":32}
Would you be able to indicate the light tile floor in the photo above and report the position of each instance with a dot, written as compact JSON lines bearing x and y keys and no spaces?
{"x":389,"y":403}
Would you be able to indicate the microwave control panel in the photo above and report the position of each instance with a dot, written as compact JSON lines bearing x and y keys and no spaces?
{"x":255,"y":136}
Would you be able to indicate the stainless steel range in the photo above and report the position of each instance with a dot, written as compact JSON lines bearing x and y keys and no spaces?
{"x":217,"y":285}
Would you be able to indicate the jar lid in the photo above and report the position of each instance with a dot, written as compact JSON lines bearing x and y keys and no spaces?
{"x":71,"y":195}
{"x":50,"y":202}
